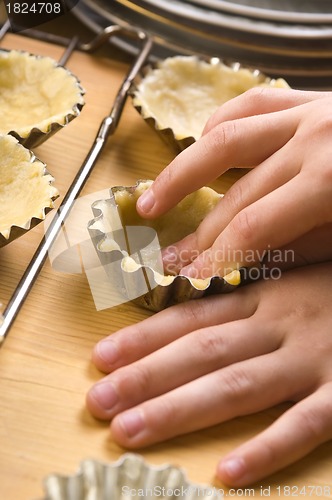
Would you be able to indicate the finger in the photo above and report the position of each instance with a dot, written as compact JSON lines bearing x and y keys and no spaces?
{"x":270,"y":223}
{"x":240,"y":143}
{"x":313,"y":247}
{"x":265,"y":178}
{"x":183,"y":252}
{"x":299,"y":431}
{"x":139,"y":340}
{"x":239,"y":389}
{"x":260,"y":100}
{"x":206,"y":350}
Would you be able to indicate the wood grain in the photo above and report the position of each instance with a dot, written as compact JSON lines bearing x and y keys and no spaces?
{"x":45,"y":367}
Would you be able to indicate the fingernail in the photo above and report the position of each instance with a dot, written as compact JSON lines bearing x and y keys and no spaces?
{"x":107,"y":351}
{"x":146,"y":202}
{"x":234,"y":468}
{"x":132,"y":422}
{"x":170,"y":260}
{"x":169,"y":254}
{"x":105,"y":394}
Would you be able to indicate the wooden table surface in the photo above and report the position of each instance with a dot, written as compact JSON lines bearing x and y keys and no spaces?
{"x":45,"y":368}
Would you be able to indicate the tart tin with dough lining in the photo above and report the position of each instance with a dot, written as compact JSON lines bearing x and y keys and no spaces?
{"x":129,"y":247}
{"x":26,"y":190}
{"x":128,"y":477}
{"x":38,"y":97}
{"x":177,"y":96}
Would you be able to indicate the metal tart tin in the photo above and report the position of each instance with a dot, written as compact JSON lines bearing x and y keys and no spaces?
{"x":38,"y":97}
{"x":129,"y":247}
{"x":26,"y":190}
{"x":130,"y":477}
{"x":177,"y":95}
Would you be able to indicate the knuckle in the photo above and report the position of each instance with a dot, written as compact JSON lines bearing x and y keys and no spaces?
{"x":235,"y":383}
{"x":130,"y":340}
{"x":139,"y":335}
{"x":314,"y":421}
{"x":268,"y":449}
{"x":234,"y":197}
{"x":166,"y":411}
{"x":192,"y":245}
{"x":256,"y":95}
{"x":244,"y":225}
{"x":163,"y":418}
{"x":167,"y":182}
{"x":223,"y":137}
{"x":134,"y":381}
{"x":165,"y":178}
{"x":210,"y":341}
{"x":194,"y":312}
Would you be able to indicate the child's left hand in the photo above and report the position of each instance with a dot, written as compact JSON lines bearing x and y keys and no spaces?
{"x":210,"y":360}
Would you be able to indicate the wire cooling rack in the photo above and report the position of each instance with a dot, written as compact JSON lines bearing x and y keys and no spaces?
{"x":106,"y":129}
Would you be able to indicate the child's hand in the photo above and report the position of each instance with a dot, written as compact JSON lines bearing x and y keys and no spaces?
{"x":311,"y":248}
{"x":210,"y":360}
{"x":286,"y":136}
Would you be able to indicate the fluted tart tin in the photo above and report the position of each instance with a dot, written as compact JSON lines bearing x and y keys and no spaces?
{"x":26,"y":190}
{"x":177,"y":95}
{"x":129,"y":477}
{"x":38,"y":97}
{"x":129,"y":247}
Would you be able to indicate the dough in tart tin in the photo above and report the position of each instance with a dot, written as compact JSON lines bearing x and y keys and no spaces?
{"x":129,"y":247}
{"x":178,"y":95}
{"x":38,"y":97}
{"x":26,"y":190}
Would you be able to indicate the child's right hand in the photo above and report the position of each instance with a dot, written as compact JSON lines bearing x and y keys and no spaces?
{"x":286,"y":136}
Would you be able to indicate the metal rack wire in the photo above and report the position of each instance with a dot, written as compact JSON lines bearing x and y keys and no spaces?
{"x":106,"y":129}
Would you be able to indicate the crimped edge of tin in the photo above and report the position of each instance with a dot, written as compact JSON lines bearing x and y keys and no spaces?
{"x":37,"y":135}
{"x":15,"y":231}
{"x":163,"y":290}
{"x":129,"y":473}
{"x":176,"y":141}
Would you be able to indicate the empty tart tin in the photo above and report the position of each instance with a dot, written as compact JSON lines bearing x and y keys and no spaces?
{"x":26,"y":190}
{"x":38,"y":97}
{"x":129,"y":477}
{"x":176,"y":96}
{"x":129,"y":247}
